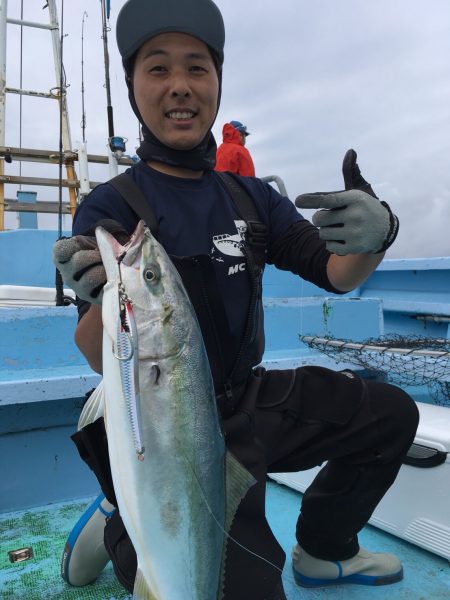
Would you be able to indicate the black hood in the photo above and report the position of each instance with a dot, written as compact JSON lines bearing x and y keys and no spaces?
{"x":140,"y":20}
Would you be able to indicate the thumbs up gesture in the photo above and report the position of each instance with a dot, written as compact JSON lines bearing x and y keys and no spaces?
{"x":353,"y":221}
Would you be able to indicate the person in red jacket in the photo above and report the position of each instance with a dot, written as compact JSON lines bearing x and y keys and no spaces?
{"x":231,"y":154}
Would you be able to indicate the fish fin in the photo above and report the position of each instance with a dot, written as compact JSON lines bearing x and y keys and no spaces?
{"x":237,"y":483}
{"x":141,"y":590}
{"x":94,"y":407}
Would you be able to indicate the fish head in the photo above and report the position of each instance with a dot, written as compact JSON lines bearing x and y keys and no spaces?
{"x":161,"y":308}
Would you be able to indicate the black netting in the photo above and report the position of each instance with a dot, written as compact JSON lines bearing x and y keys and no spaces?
{"x":406,"y":360}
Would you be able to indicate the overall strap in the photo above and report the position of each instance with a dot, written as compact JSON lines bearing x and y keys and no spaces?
{"x":133,"y":195}
{"x":256,"y":235}
{"x":254,"y":250}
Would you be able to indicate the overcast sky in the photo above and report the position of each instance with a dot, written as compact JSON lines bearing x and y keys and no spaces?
{"x":309,"y":79}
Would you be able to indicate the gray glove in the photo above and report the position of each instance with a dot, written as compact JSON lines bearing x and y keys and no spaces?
{"x":79,"y":261}
{"x":80,"y":264}
{"x":352,"y":221}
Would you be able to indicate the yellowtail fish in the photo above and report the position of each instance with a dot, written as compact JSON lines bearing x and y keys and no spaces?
{"x":176,"y":485}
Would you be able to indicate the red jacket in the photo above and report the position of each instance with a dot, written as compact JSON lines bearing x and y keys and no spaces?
{"x":232,"y":155}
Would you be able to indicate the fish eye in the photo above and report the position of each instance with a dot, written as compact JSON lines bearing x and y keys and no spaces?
{"x":150,"y":275}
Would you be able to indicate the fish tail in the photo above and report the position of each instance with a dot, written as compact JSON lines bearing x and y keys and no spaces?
{"x":141,"y":590}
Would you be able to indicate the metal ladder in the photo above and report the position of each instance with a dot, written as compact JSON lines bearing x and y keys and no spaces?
{"x":56,"y":93}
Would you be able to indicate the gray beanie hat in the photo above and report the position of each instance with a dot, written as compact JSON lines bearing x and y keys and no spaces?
{"x":140,"y":20}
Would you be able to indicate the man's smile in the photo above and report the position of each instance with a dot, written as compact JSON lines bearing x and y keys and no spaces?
{"x":181,"y":115}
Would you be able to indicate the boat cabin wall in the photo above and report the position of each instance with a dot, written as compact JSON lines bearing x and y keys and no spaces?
{"x":25,"y":257}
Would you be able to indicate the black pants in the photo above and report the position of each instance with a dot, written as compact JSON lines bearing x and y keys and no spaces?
{"x":300,"y":419}
{"x":292,"y":420}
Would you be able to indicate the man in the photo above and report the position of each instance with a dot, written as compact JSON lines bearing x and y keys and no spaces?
{"x":231,"y":154}
{"x":275,"y":420}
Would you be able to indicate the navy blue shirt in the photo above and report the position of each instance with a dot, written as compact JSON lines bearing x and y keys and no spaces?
{"x":198,"y":217}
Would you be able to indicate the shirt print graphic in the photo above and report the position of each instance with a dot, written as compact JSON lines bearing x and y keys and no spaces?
{"x":230,"y":245}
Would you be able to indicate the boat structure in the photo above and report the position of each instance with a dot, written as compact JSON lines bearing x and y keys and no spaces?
{"x":395,"y":327}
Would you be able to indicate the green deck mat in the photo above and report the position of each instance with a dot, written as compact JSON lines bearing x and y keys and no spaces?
{"x":45,"y":530}
{"x":427,"y":577}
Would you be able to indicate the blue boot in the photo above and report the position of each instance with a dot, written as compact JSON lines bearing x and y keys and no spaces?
{"x":85,"y":556}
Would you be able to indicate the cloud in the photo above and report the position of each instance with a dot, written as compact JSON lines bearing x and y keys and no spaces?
{"x":310,"y":80}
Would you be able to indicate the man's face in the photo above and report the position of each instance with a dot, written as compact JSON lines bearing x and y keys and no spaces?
{"x":176,"y":89}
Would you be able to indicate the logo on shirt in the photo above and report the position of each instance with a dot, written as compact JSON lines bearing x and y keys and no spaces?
{"x":230,"y":244}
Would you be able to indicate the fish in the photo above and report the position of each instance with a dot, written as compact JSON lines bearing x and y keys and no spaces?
{"x":177,"y":486}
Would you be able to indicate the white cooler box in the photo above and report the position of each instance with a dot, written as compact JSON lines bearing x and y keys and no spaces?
{"x":417,"y":507}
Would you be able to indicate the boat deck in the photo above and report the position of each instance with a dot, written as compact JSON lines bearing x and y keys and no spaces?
{"x":42,"y":391}
{"x":427,"y":577}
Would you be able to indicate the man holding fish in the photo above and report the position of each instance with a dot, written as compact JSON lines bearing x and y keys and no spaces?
{"x":271,"y":421}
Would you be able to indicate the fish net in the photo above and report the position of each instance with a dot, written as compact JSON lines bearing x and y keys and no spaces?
{"x":406,"y":360}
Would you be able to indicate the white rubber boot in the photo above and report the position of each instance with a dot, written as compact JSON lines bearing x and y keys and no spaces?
{"x":85,"y":556}
{"x":366,"y":568}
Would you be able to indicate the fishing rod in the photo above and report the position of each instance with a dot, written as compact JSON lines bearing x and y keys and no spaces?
{"x":109,"y":109}
{"x":83,"y":162}
{"x":61,"y":299}
{"x":83,"y":111}
{"x":116,"y":143}
{"x":58,"y":279}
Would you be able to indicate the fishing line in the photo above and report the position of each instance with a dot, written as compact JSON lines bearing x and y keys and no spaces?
{"x":302,"y":297}
{"x":230,"y":537}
